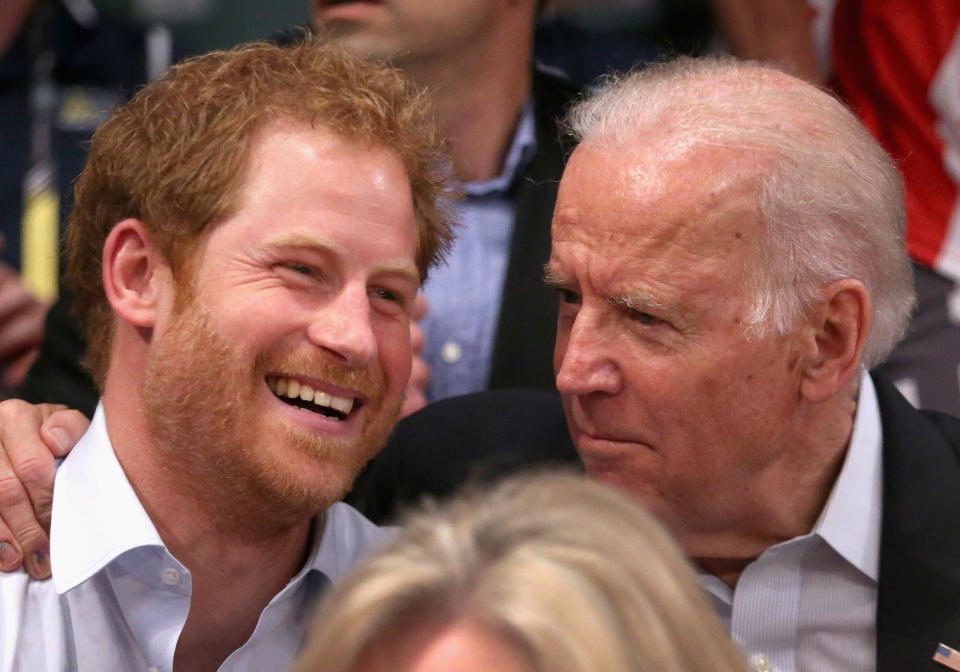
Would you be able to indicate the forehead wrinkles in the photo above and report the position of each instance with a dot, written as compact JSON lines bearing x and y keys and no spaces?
{"x":686,"y":215}
{"x":633,"y":265}
{"x":682,"y":228}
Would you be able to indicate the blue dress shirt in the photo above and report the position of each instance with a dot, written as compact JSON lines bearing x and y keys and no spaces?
{"x":465,"y":293}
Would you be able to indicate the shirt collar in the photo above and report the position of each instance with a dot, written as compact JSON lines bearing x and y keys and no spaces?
{"x":96,"y":514}
{"x":522,"y":147}
{"x":97,"y":517}
{"x":850,"y":521}
{"x":341,"y":536}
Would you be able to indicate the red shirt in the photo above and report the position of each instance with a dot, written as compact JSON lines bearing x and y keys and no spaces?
{"x":897,"y":63}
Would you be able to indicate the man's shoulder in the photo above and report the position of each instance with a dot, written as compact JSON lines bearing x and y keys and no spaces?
{"x":919,"y":587}
{"x":522,"y":422}
{"x":348,"y":535}
{"x":346,"y":520}
{"x":32,"y":625}
{"x":475,"y":437}
{"x":902,"y":421}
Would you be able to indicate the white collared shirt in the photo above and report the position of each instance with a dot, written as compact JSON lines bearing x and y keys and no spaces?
{"x":118,"y":599}
{"x":810,"y":603}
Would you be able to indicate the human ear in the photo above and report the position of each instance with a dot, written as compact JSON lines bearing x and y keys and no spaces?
{"x":135,"y":273}
{"x":839,"y":325}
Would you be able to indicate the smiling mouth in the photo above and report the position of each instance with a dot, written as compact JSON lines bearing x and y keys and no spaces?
{"x":300,"y":395}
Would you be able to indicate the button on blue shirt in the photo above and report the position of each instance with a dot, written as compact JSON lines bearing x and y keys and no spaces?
{"x":465,"y":293}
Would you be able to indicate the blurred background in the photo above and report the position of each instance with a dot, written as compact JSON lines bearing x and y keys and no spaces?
{"x":582,"y":37}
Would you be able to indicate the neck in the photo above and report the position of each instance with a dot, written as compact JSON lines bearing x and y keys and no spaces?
{"x":785,"y":500}
{"x":238,"y":559}
{"x":196,"y":514}
{"x":478,"y":97}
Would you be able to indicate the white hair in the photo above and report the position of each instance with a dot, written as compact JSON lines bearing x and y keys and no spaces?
{"x":571,"y":574}
{"x":831,"y":199}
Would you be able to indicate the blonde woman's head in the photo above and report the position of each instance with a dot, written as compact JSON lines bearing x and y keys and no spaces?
{"x":549,"y":573}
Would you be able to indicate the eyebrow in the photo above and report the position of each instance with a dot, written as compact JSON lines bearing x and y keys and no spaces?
{"x":298,"y":240}
{"x":553,"y":277}
{"x":637,"y":301}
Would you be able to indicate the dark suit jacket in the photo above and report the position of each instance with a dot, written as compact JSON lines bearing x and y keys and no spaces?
{"x":522,"y":351}
{"x":475,"y":437}
{"x":918,"y":604}
{"x":488,"y":434}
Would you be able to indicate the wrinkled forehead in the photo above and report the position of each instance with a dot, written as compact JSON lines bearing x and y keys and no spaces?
{"x":666,"y":193}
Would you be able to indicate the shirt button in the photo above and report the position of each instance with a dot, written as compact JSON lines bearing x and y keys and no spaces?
{"x":451,"y":352}
{"x":170,"y":577}
{"x":760,"y":663}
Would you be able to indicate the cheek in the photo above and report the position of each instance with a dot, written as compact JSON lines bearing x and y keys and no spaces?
{"x":560,"y":344}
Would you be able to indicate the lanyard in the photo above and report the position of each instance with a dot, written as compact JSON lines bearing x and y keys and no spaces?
{"x":39,"y":232}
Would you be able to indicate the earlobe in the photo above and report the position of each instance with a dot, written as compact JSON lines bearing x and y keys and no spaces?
{"x":840,"y":324}
{"x":135,"y":273}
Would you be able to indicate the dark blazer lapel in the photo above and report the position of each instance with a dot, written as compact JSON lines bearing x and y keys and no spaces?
{"x":522,"y":354}
{"x":918,"y":602}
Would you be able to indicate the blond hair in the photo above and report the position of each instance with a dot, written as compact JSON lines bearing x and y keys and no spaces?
{"x":576,"y":576}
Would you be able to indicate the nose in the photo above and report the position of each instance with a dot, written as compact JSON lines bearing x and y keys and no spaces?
{"x":344,"y":328}
{"x":585,"y":357}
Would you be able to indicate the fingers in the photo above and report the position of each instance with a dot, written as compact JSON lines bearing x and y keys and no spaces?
{"x":419,"y":375}
{"x":420,"y":308}
{"x":27,"y":470}
{"x":62,"y":429}
{"x":15,"y":521}
{"x":416,"y":398}
{"x":412,"y":402}
{"x":21,"y":318}
{"x":417,"y":313}
{"x":16,"y":372}
{"x":22,"y":540}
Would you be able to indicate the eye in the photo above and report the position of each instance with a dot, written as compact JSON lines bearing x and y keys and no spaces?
{"x":391,"y":301}
{"x":387,"y":295}
{"x":567,"y":296}
{"x":299,"y":268}
{"x":643,"y":318}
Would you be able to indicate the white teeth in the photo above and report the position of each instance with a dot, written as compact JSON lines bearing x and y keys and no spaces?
{"x":294,"y":389}
{"x":342,"y":404}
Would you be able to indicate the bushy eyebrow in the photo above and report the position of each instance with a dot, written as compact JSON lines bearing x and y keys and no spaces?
{"x":640,"y":301}
{"x":553,"y":277}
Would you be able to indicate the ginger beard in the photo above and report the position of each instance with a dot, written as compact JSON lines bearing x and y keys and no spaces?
{"x":205,"y":411}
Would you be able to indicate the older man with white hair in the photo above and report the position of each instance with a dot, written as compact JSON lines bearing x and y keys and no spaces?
{"x":729,"y":258}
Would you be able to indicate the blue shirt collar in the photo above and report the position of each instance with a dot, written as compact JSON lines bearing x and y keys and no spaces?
{"x":522,"y":148}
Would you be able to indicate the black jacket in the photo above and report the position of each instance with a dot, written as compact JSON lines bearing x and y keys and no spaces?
{"x":522,"y":352}
{"x":488,"y":434}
